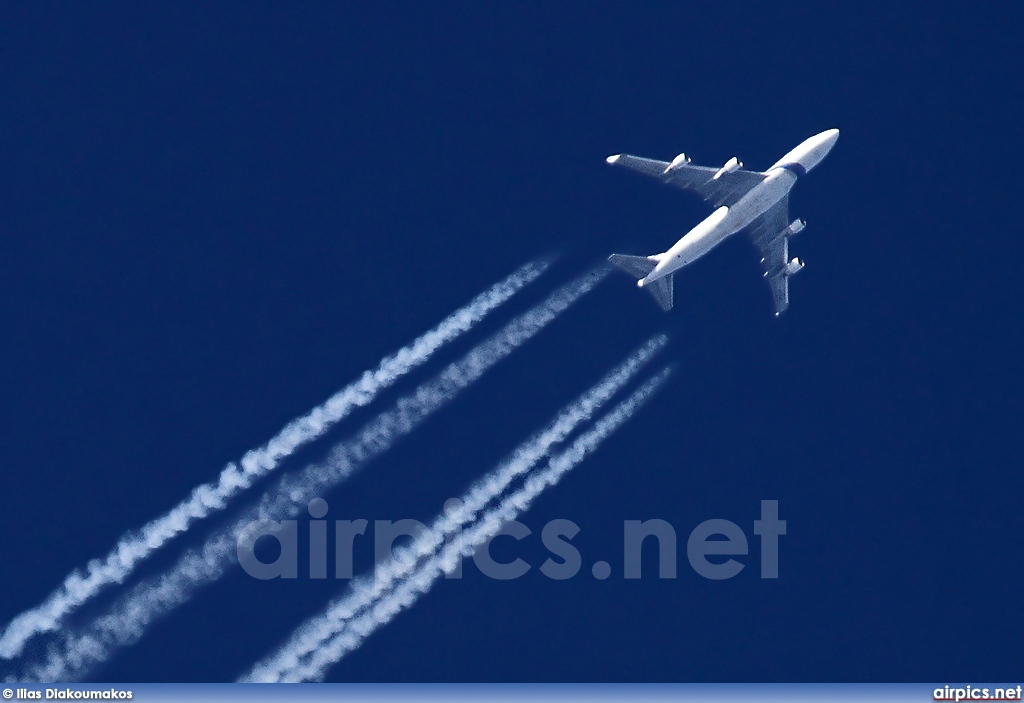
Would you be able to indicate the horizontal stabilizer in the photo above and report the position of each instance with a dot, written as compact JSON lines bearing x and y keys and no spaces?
{"x":662,"y":292}
{"x":636,"y":266}
{"x":639,"y":267}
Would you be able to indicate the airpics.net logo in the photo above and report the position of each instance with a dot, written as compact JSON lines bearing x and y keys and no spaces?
{"x":977,"y":693}
{"x":716,"y":549}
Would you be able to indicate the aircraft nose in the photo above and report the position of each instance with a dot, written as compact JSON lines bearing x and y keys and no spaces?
{"x":830,"y":137}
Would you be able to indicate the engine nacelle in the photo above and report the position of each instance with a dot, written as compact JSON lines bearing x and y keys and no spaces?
{"x":793,"y":267}
{"x":731,"y":166}
{"x":677,"y":163}
{"x":795,"y":227}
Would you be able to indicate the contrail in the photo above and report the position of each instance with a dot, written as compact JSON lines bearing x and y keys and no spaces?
{"x":147,"y":601}
{"x":368,"y":590}
{"x":79,"y":587}
{"x":349,"y":634}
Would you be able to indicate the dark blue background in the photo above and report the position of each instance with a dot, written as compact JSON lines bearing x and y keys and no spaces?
{"x":213,"y":216}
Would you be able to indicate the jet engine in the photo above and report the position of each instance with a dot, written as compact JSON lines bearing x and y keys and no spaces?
{"x":677,"y":163}
{"x":731,"y":166}
{"x":793,"y":267}
{"x":795,"y":227}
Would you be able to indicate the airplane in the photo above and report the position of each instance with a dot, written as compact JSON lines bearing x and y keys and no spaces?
{"x":756,"y":201}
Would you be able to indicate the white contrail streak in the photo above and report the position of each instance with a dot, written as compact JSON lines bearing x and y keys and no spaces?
{"x":79,"y":587}
{"x":367,"y":590}
{"x":147,"y":601}
{"x":349,"y":634}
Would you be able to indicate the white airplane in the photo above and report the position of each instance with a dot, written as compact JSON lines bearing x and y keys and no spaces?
{"x":757,"y":201}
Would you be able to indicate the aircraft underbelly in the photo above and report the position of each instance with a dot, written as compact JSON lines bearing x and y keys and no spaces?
{"x":759,"y":200}
{"x":722,"y":223}
{"x":704,"y":243}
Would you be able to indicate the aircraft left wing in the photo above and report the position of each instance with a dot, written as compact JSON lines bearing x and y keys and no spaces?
{"x":769,"y":233}
{"x":727,"y":189}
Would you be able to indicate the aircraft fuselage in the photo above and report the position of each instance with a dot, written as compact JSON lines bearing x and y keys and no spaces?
{"x":726,"y":221}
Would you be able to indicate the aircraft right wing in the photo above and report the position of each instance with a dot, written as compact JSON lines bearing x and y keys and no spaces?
{"x":769,"y":234}
{"x":727,"y":189}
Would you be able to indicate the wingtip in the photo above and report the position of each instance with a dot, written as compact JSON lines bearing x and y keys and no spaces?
{"x":613,"y":158}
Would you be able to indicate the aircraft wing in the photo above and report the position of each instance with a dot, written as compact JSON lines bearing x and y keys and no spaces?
{"x":726,"y":190}
{"x":769,"y":235}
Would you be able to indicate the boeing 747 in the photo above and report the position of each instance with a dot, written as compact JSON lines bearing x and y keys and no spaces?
{"x":758,"y":202}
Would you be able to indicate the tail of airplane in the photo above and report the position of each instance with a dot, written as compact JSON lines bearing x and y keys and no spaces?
{"x":639,"y":267}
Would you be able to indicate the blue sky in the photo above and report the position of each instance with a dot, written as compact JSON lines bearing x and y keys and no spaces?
{"x":213,"y":217}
